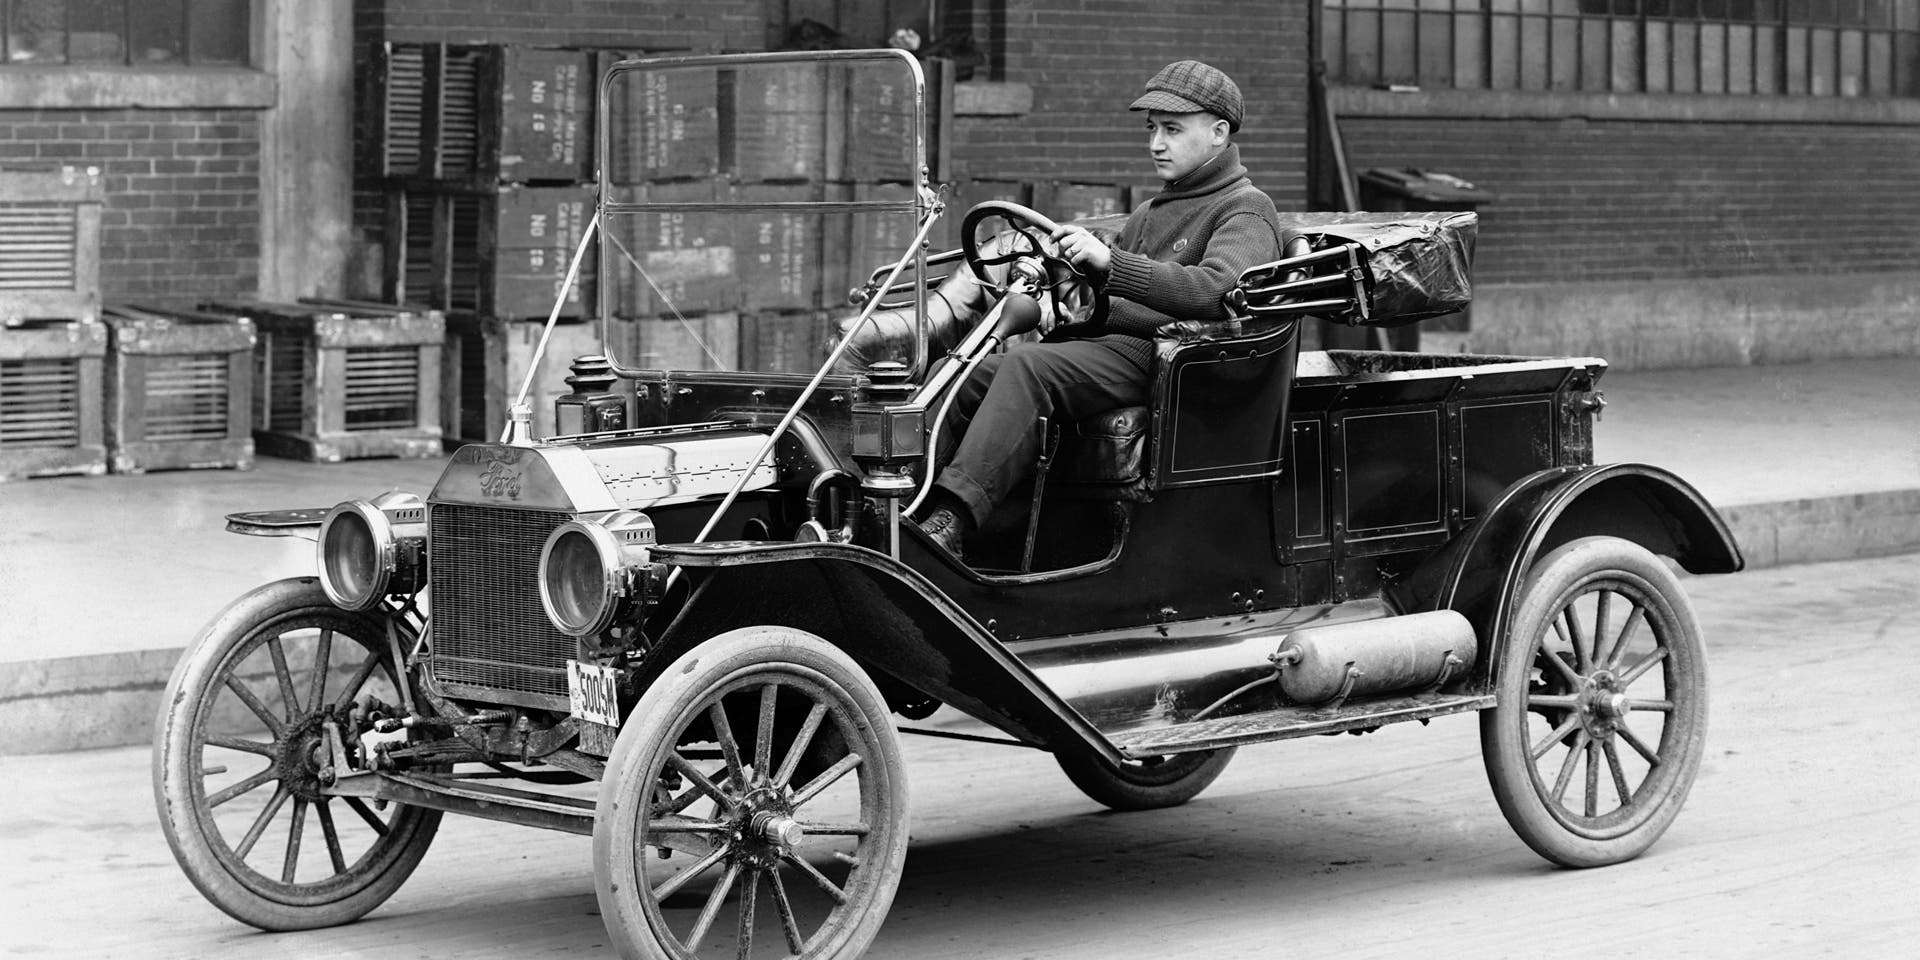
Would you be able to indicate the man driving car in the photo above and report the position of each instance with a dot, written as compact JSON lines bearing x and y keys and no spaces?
{"x":1174,"y":259}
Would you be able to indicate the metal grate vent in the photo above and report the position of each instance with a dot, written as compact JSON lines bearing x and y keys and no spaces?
{"x":383,"y":388}
{"x":39,"y":403}
{"x":186,"y":397}
{"x":37,"y":246}
{"x":488,"y":627}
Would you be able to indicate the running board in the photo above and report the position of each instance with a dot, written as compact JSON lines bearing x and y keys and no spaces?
{"x":1285,"y":723}
{"x":474,"y":799}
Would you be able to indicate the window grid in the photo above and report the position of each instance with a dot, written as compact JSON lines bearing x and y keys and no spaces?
{"x":1848,"y":48}
{"x":124,"y":32}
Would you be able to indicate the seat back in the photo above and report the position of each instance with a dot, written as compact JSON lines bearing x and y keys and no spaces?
{"x":1220,"y":399}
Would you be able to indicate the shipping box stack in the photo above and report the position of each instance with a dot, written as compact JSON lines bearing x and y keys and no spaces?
{"x":484,"y":155}
{"x":179,"y":389}
{"x":52,"y":346}
{"x":780,"y":133}
{"x":342,"y":381}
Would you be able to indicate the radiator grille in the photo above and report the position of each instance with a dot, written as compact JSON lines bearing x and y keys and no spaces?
{"x":383,"y":387}
{"x":39,"y":403}
{"x":37,"y":246}
{"x":488,"y":627}
{"x":186,"y":397}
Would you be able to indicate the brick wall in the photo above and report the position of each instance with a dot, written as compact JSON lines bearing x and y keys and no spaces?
{"x":181,"y":217}
{"x":707,"y":26}
{"x":1086,"y":62}
{"x":1636,"y":201}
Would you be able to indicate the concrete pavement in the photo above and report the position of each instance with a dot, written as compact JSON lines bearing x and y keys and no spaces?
{"x":104,"y":579}
{"x":1801,"y":839}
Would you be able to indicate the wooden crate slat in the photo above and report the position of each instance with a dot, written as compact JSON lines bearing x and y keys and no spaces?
{"x":346,"y":380}
{"x":51,"y":395}
{"x":177,"y":379}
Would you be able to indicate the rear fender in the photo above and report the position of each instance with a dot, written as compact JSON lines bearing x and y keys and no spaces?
{"x":881,"y":612}
{"x":1482,"y":572}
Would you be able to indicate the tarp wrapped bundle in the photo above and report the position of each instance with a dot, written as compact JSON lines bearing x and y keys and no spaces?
{"x":1415,"y":265}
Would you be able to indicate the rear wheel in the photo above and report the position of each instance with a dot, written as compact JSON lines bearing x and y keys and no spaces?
{"x":1145,"y":784}
{"x":1602,"y":709}
{"x":238,"y":750}
{"x":755,"y":805}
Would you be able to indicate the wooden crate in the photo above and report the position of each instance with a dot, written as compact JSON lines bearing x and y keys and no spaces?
{"x":51,"y":399}
{"x":689,"y":256}
{"x":344,"y":381}
{"x":785,"y":341}
{"x":487,"y":359}
{"x":501,"y":252}
{"x":179,"y":390}
{"x":1078,"y":201}
{"x":693,"y":341}
{"x":49,"y":244}
{"x":475,"y":114}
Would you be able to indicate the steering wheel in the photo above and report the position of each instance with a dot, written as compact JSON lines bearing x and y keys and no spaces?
{"x":1066,"y":284}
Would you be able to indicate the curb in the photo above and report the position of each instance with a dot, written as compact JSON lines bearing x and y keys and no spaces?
{"x":110,"y":700}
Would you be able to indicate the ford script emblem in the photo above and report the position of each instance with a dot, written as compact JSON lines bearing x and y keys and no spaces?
{"x":500,"y":481}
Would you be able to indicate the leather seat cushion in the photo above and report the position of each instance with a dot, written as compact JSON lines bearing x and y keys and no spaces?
{"x":1108,"y":448}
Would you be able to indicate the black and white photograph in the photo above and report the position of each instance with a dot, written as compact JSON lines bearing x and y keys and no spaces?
{"x":959,"y":479}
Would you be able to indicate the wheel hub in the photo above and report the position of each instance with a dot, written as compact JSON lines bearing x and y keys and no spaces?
{"x":1603,"y":705}
{"x":763,"y":830}
{"x":303,"y":752}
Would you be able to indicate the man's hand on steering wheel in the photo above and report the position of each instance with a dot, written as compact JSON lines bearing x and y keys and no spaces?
{"x":1088,"y":253}
{"x":1067,"y":280}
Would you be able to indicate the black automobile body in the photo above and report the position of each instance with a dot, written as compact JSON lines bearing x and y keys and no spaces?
{"x":707,"y":596}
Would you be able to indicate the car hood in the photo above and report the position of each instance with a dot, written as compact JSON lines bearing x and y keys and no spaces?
{"x":619,"y":474}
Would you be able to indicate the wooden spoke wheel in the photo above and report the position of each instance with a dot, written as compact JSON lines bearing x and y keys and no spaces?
{"x":238,"y":756}
{"x":755,"y":805}
{"x":1145,"y":784}
{"x":1602,"y":709}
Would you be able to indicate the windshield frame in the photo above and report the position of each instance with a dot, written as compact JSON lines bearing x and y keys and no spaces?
{"x":921,"y":205}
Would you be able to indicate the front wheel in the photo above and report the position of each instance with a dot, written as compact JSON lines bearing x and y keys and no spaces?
{"x":1145,"y":784}
{"x":238,"y":751}
{"x":758,"y":777}
{"x":1602,"y":705}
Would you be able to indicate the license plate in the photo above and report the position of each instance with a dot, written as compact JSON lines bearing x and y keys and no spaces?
{"x":591,"y":689}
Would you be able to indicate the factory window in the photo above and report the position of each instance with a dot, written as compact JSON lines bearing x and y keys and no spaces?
{"x":137,"y":33}
{"x":1822,"y":48}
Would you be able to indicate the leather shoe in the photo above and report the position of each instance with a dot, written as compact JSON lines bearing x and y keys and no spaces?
{"x":946,"y":527}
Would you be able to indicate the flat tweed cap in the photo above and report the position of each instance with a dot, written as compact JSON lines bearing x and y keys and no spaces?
{"x":1189,"y":86}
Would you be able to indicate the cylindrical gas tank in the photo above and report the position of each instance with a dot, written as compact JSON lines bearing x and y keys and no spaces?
{"x":1331,"y":663}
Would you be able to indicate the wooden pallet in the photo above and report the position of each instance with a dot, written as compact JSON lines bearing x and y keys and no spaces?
{"x":340,"y":381}
{"x":49,"y":244}
{"x":179,"y":390}
{"x":51,"y":400}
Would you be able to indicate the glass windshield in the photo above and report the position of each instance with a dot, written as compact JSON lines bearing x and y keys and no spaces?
{"x":744,"y":197}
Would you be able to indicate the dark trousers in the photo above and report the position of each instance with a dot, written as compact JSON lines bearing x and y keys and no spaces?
{"x":999,"y":411}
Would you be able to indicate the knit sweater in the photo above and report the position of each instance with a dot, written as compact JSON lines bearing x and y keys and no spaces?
{"x":1184,"y":249}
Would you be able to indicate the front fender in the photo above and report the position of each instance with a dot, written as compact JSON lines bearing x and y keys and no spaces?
{"x":880,"y":611}
{"x":1481,"y":572}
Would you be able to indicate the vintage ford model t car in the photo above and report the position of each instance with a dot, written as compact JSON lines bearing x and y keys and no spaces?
{"x":703,"y":593}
